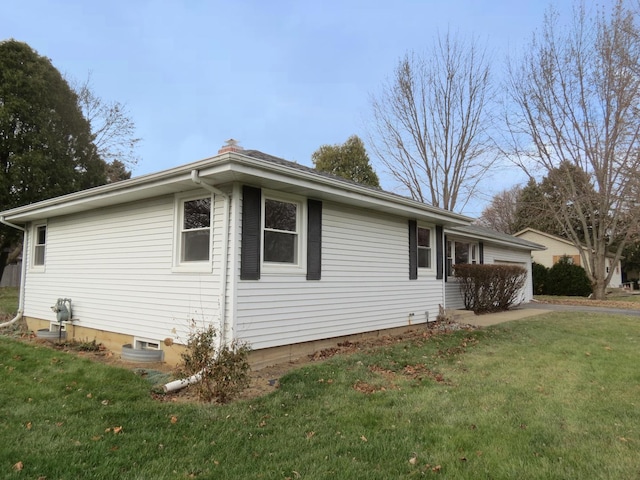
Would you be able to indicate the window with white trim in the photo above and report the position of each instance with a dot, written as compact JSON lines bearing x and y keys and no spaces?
{"x":281,"y":231}
{"x":194,"y":236}
{"x":39,"y":247}
{"x":459,"y":252}
{"x":424,"y":248}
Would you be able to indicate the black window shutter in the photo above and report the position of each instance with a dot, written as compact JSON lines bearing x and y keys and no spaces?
{"x":480,"y":252}
{"x":314,"y":239}
{"x":413,"y":250}
{"x":250,"y":255}
{"x":439,"y":252}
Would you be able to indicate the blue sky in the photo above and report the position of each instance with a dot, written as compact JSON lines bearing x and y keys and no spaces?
{"x":283,"y":77}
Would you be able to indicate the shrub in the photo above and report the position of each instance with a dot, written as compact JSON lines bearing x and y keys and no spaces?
{"x":490,"y":288}
{"x":565,"y":278}
{"x":540,"y":275}
{"x":224,"y":370}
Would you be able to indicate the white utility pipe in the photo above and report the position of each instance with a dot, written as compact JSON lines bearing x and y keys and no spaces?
{"x":13,"y":320}
{"x":23,"y":272}
{"x":183,"y":382}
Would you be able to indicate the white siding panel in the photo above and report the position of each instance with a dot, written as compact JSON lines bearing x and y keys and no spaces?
{"x":365,"y":286}
{"x":454,"y":298}
{"x":116,"y":266}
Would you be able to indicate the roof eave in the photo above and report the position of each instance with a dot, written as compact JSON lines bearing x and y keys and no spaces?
{"x":220,"y":169}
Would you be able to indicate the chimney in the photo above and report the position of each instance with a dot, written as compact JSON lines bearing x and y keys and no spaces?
{"x":231,"y":145}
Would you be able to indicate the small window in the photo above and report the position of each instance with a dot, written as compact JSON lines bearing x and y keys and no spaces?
{"x":40,"y":245}
{"x":280,"y":232}
{"x":195,"y":230}
{"x":424,"y":247}
{"x":146,"y":345}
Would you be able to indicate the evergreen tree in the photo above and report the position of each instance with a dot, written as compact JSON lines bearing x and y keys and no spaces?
{"x":46,"y":145}
{"x":349,"y":160}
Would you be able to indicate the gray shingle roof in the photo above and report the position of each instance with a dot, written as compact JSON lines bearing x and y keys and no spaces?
{"x":487,"y":233}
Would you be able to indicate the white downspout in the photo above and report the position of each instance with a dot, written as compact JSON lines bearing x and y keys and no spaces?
{"x":23,"y":273}
{"x":195,"y":177}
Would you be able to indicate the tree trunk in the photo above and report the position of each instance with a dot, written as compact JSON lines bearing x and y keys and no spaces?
{"x":599,"y":290}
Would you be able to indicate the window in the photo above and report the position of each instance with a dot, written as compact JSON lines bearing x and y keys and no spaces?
{"x":460,"y":252}
{"x":424,"y":247}
{"x":39,"y":245}
{"x":281,"y":232}
{"x":195,"y":230}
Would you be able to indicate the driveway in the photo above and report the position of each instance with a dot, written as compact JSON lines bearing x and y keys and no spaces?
{"x":577,"y":308}
{"x":532,"y":309}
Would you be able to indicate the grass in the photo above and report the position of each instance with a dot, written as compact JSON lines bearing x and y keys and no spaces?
{"x":8,"y":300}
{"x":554,"y":397}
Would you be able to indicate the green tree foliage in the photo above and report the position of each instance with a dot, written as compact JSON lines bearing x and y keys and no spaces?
{"x":631,"y":260}
{"x":116,"y":171}
{"x":349,"y":160}
{"x":565,"y":278}
{"x":540,"y":275}
{"x":46,"y":144}
{"x":559,"y":189}
{"x":532,"y":211}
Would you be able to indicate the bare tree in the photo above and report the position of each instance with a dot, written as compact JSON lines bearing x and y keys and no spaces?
{"x":111,"y":125}
{"x":431,"y":122}
{"x":576,"y":95}
{"x":501,"y":214}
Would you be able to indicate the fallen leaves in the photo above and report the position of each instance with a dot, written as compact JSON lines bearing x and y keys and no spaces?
{"x":18,"y":466}
{"x":115,"y":430}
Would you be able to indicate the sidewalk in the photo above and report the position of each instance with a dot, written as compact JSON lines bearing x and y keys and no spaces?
{"x":468,"y":317}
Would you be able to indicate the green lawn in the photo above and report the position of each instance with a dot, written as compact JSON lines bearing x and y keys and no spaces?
{"x":8,"y":300}
{"x":554,"y":397}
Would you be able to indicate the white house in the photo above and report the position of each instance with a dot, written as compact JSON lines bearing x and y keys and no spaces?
{"x":269,"y":251}
{"x":558,"y":247}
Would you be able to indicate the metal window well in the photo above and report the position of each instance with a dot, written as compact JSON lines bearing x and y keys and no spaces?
{"x":132,"y":354}
{"x":51,"y":335}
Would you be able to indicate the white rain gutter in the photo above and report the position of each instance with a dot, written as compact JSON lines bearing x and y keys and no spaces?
{"x":23,"y":273}
{"x":195,"y":178}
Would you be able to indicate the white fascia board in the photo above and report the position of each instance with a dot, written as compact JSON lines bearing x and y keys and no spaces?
{"x":138,"y":188}
{"x":485,"y":238}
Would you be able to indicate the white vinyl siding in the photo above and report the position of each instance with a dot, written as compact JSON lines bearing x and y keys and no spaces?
{"x":365,"y":286}
{"x":116,"y":266}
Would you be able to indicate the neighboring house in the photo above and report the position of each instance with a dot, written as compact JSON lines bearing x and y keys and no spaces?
{"x":558,"y":247}
{"x":271,"y":252}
